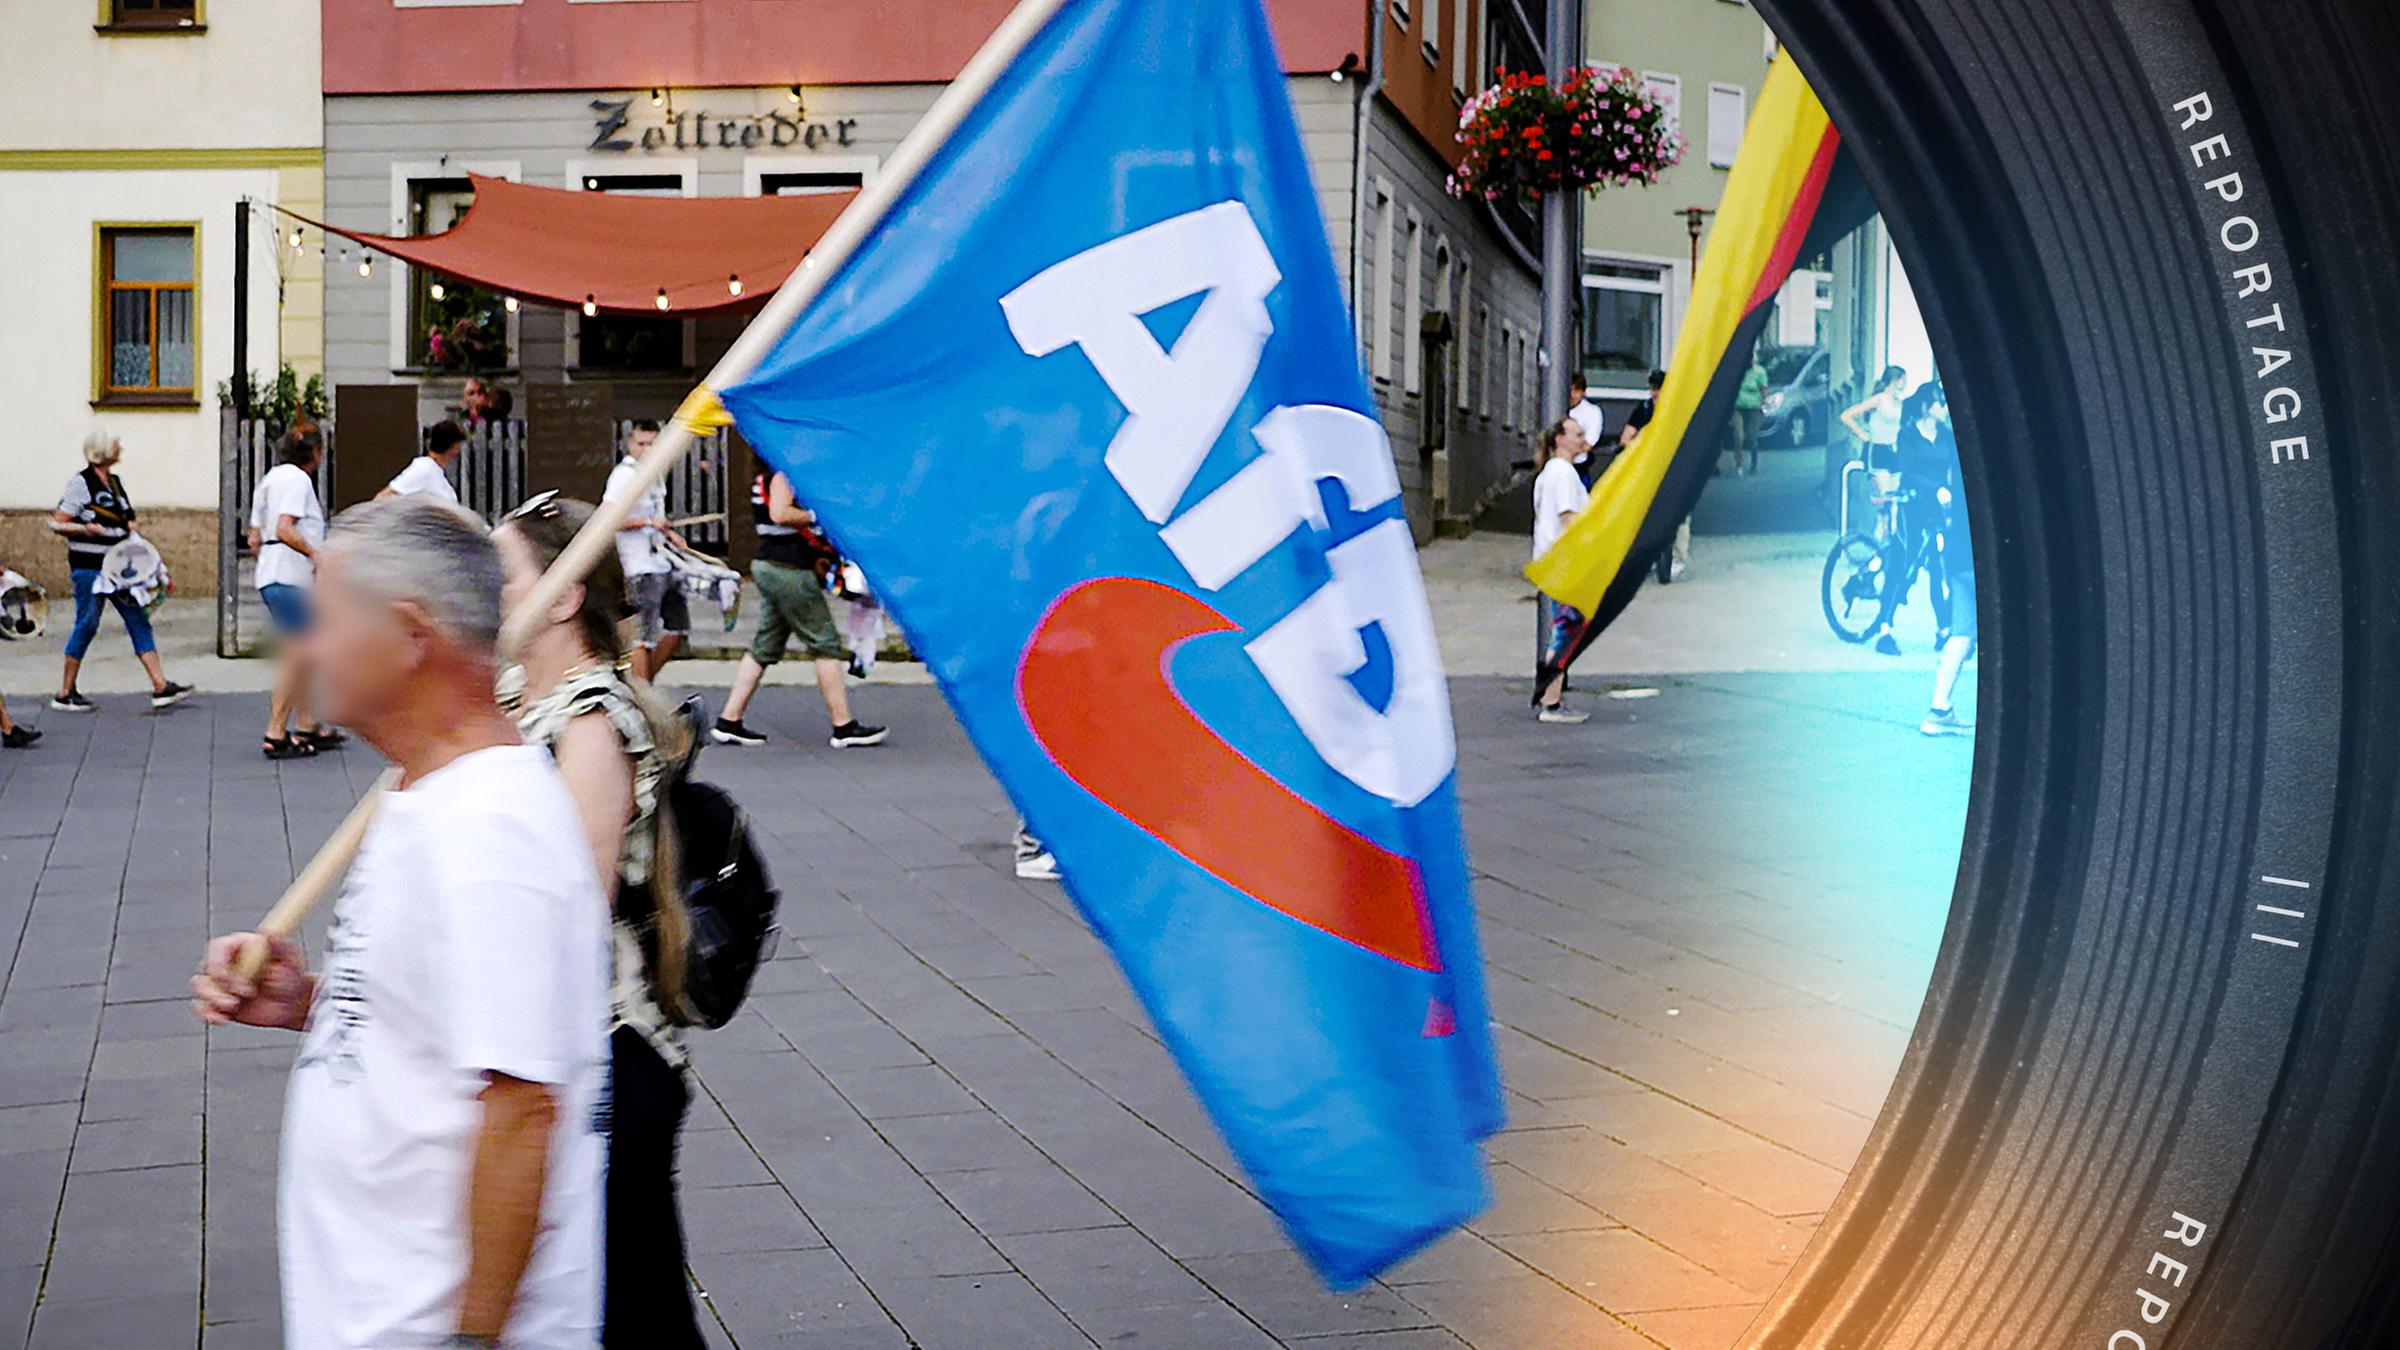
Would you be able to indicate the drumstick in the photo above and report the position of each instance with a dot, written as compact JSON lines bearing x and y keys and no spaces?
{"x":701,"y":410}
{"x":680,"y":521}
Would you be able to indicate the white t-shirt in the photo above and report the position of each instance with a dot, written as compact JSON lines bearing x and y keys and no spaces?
{"x":1556,"y":489}
{"x":642,"y":551}
{"x":1587,"y":416}
{"x":287,"y":490}
{"x":424,"y":475}
{"x":471,"y":937}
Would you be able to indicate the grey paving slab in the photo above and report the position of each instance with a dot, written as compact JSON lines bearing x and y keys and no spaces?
{"x":944,"y":1119}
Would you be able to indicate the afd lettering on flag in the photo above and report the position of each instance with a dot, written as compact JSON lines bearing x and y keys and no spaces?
{"x":1086,"y":407}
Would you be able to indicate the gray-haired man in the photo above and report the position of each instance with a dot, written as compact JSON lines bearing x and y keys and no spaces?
{"x":441,"y":1180}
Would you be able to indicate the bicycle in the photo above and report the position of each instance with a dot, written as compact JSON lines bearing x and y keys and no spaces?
{"x":1851,"y":586}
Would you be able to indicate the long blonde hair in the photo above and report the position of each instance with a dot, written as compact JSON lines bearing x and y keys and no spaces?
{"x":546,"y":534}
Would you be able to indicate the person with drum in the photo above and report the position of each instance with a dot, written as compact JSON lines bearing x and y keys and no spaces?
{"x":94,"y":515}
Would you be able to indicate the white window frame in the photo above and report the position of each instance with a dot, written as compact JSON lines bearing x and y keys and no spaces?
{"x":1666,"y":288}
{"x":755,"y":168}
{"x":1464,"y":357}
{"x":1731,"y":143}
{"x":403,"y":173}
{"x":684,"y":167}
{"x":1483,"y":368}
{"x":1667,"y":88}
{"x":1432,"y":44}
{"x":1464,"y":78}
{"x":1378,"y":318}
{"x":1400,"y":13}
{"x":1412,"y":325}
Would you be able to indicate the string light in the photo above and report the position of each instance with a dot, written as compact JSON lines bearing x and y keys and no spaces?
{"x":590,"y":307}
{"x":662,"y":297}
{"x":509,"y":303}
{"x":733,"y":284}
{"x":435,"y":290}
{"x":366,"y":264}
{"x":657,"y":96}
{"x":295,"y":238}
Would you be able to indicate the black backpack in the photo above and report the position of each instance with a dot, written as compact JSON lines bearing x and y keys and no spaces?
{"x":726,"y":891}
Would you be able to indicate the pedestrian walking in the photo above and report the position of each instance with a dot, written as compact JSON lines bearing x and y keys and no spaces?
{"x":614,"y":743}
{"x":662,"y":618}
{"x":12,"y":736}
{"x":1749,"y":409}
{"x":291,"y":524}
{"x":1558,"y":497}
{"x":1926,"y":465}
{"x":1588,"y":416}
{"x":795,"y":563}
{"x":429,"y":472}
{"x":441,"y":1172}
{"x":93,"y":515}
{"x":1879,"y":431}
{"x":1958,"y":645}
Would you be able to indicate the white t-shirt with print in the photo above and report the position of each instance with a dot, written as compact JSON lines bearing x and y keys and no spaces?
{"x":642,"y":552}
{"x":471,"y":938}
{"x":287,"y":490}
{"x":424,"y":475}
{"x":1556,"y":489}
{"x":1587,"y":415}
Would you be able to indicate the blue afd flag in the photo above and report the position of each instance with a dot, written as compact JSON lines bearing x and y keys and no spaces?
{"x":1086,"y":407}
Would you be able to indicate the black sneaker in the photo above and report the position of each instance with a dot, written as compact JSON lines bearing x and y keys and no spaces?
{"x":170,"y":695}
{"x":734,"y":733}
{"x":855,"y":732}
{"x":1887,"y":644}
{"x":71,"y":701}
{"x":17,"y":738}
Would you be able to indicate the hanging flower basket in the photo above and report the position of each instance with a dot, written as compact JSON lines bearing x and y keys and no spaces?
{"x":1600,"y":127}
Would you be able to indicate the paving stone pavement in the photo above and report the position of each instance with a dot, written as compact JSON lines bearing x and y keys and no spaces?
{"x":943,"y":1121}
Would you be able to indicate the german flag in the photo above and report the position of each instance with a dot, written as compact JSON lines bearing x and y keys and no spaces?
{"x":1792,"y":193}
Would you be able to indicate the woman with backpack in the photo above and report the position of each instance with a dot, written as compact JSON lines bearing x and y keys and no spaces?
{"x":617,"y":746}
{"x":93,"y":514}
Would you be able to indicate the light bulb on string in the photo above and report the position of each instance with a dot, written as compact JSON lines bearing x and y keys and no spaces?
{"x":662,"y":297}
{"x":733,"y":284}
{"x":436,"y":290}
{"x":590,"y":307}
{"x":509,"y":303}
{"x":366,"y":264}
{"x":295,"y":238}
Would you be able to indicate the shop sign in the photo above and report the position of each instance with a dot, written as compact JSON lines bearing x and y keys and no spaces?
{"x":699,"y":129}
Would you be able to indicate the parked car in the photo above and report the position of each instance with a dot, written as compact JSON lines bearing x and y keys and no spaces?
{"x":1799,"y":405}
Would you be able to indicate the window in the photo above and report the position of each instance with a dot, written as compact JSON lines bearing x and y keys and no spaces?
{"x":1483,"y":368}
{"x":1465,"y":355}
{"x":1508,"y":378}
{"x":451,"y":325}
{"x":1433,"y":29}
{"x":1462,"y":56}
{"x":1399,"y":14}
{"x":1412,"y":330}
{"x":152,"y":14}
{"x":627,"y":341}
{"x":1728,"y":115}
{"x":149,"y":335}
{"x":799,"y":184}
{"x":1624,"y":324}
{"x":1668,"y":90}
{"x":1379,"y":315}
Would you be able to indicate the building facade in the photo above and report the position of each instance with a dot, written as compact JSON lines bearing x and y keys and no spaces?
{"x":138,"y":125}
{"x":1704,"y":59}
{"x":727,"y":97}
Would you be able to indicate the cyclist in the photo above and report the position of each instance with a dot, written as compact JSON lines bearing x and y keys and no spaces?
{"x":1925,"y":461}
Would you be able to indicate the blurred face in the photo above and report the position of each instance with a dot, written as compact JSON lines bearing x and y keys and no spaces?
{"x":363,"y":651}
{"x":1570,"y":442}
{"x":639,"y":440}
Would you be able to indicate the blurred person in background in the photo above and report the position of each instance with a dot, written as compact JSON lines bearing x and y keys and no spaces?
{"x":93,"y":514}
{"x":615,"y":742}
{"x":291,"y":524}
{"x":793,"y":566}
{"x":1558,"y":497}
{"x":1879,"y":431}
{"x":429,"y":472}
{"x":662,"y":618}
{"x":1588,"y":416}
{"x":441,"y":1171}
{"x":12,"y":736}
{"x":1925,"y":459}
{"x":1749,"y":408}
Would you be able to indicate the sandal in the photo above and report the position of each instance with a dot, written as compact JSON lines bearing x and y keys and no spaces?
{"x":287,"y":747}
{"x":323,"y":738}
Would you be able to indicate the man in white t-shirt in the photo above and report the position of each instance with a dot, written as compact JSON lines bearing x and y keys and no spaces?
{"x":429,"y":473}
{"x":1587,"y":417}
{"x":661,"y":618}
{"x":442,"y":1173}
{"x":290,"y":523}
{"x":1558,"y":497}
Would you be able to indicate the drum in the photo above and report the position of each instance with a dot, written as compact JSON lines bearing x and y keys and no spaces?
{"x":134,"y":566}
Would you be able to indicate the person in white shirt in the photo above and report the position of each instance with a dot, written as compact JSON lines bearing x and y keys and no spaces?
{"x":1558,"y":497}
{"x":442,"y":1170}
{"x":661,"y":618}
{"x":429,"y":473}
{"x":1587,"y":417}
{"x":291,"y":524}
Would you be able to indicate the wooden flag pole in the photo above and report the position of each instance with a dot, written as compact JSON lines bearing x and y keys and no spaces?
{"x":700,"y":413}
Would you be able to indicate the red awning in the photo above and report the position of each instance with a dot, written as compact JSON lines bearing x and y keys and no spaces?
{"x":559,"y":247}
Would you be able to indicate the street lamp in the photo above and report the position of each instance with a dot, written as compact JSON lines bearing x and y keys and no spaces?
{"x":1695,"y":219}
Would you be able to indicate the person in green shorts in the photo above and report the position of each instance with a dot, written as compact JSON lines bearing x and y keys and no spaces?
{"x":792,"y":564}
